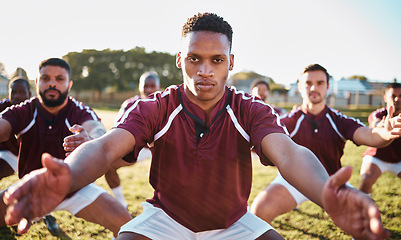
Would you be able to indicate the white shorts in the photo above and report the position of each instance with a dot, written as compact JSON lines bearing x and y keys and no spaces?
{"x":10,"y":158}
{"x":394,"y":168}
{"x":154,"y":223}
{"x":297,"y":195}
{"x":145,"y":153}
{"x":81,"y":199}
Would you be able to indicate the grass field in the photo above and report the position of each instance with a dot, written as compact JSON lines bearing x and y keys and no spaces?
{"x":309,"y":222}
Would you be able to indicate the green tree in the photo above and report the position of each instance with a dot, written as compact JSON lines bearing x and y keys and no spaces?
{"x":2,"y":69}
{"x":359,"y":77}
{"x":120,"y":70}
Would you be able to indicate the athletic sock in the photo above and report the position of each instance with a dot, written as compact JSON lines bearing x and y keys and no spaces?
{"x":118,"y":193}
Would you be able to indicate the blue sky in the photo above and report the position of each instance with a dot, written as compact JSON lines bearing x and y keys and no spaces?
{"x":276,"y":38}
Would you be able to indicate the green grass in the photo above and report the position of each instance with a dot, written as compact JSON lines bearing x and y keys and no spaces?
{"x":309,"y":222}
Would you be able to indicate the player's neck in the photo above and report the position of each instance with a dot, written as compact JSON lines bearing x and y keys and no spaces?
{"x":313,"y":108}
{"x":54,"y":110}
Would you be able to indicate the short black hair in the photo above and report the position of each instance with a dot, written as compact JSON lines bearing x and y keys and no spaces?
{"x":20,"y":79}
{"x":316,"y":67}
{"x":260,"y":81}
{"x":208,"y":22}
{"x":55,"y":62}
{"x":392,"y":85}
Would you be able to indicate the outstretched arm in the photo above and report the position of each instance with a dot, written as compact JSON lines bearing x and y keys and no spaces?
{"x":42,"y":190}
{"x":297,"y":164}
{"x":381,"y":135}
{"x":349,"y":209}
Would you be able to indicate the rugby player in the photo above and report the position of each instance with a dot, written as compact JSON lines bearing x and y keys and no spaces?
{"x":260,"y":88}
{"x":376,"y":161}
{"x":18,"y":91}
{"x":41,"y":124}
{"x":201,"y":169}
{"x":324,"y":131}
{"x":149,"y":82}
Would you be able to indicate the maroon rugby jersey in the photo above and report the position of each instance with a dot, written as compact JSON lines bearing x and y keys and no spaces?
{"x":12,"y":144}
{"x":201,"y":176}
{"x":125,"y":106}
{"x":39,"y":131}
{"x":390,"y":153}
{"x":328,"y":139}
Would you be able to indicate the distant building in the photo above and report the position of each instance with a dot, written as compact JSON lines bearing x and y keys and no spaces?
{"x":3,"y":85}
{"x":345,"y":92}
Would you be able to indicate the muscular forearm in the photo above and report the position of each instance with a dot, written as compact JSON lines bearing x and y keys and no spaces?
{"x":373,"y":137}
{"x":87,"y":163}
{"x":92,"y":159}
{"x":303,"y":173}
{"x":298,"y":165}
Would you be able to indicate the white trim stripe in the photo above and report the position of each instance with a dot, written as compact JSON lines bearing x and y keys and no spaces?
{"x":67,"y":123}
{"x":236,"y":123}
{"x":126,"y":113}
{"x":170,"y":120}
{"x":132,"y":108}
{"x":299,"y":121}
{"x":333,"y":125}
{"x":30,"y":124}
{"x":81,"y":106}
{"x":261,"y":102}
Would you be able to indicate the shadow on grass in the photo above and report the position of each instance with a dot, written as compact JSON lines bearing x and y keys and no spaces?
{"x":319,"y":215}
{"x":10,"y":233}
{"x":289,"y":227}
{"x":395,"y":234}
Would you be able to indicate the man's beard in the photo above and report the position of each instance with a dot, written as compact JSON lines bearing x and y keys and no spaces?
{"x":54,"y":102}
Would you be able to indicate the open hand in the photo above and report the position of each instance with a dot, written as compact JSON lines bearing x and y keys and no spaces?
{"x":37,"y":193}
{"x":352,"y":210}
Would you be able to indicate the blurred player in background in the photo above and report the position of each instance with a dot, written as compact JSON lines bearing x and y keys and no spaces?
{"x":18,"y":91}
{"x":324,"y":131}
{"x":376,"y":161}
{"x":149,"y":83}
{"x":261,"y":89}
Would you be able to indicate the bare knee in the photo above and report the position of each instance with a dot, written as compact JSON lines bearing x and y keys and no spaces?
{"x":131,"y":236}
{"x":270,"y":235}
{"x":272,"y":202}
{"x":106,"y":211}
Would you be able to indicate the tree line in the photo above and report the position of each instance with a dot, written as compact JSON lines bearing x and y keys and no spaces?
{"x":94,"y":70}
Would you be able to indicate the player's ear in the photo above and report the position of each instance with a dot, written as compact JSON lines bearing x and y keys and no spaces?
{"x":178,"y":60}
{"x":70,"y":85}
{"x":231,"y":62}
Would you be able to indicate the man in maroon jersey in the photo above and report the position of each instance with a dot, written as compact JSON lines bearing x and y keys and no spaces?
{"x":18,"y":91}
{"x":41,"y":124}
{"x":202,"y":132}
{"x":321,"y":129}
{"x":149,"y":82}
{"x":260,"y":88}
{"x":388,"y":159}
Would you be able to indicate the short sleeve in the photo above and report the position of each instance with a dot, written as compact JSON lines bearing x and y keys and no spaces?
{"x":264,"y":122}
